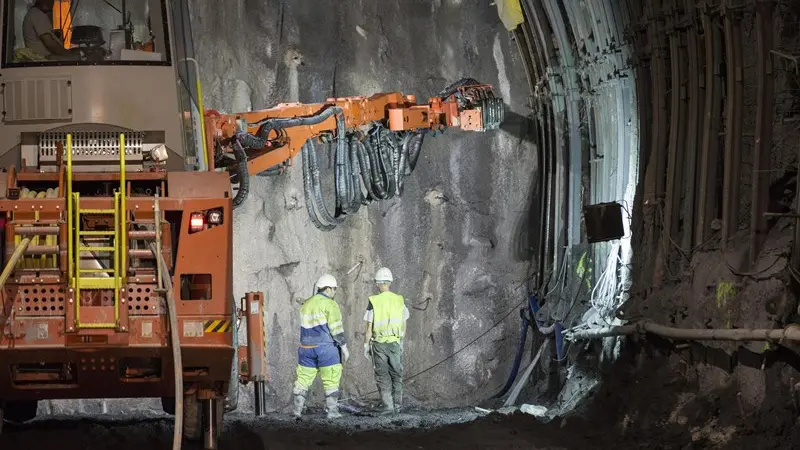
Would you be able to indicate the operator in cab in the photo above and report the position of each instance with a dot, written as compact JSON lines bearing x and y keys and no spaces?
{"x":40,"y":36}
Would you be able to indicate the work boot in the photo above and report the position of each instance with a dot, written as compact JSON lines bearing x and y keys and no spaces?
{"x":388,"y":403}
{"x":299,"y":402}
{"x":398,"y":402}
{"x":332,"y":407}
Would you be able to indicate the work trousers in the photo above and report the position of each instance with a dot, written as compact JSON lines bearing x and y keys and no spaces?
{"x":323,"y":359}
{"x":387,"y":359}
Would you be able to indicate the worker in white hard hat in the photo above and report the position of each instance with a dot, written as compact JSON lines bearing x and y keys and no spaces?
{"x":385,"y":322}
{"x":323,"y":348}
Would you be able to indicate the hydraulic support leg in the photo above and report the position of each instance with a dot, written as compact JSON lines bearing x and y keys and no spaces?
{"x":210,"y":424}
{"x":254,"y":367}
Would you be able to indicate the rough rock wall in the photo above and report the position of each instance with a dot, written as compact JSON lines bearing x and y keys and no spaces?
{"x":452,"y":240}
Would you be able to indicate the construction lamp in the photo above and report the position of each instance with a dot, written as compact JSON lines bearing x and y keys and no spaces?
{"x":196,"y":222}
{"x":215,"y":217}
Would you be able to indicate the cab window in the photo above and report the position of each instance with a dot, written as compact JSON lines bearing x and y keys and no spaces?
{"x":77,"y":32}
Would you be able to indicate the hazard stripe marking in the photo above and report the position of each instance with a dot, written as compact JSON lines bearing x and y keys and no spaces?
{"x":217,"y":326}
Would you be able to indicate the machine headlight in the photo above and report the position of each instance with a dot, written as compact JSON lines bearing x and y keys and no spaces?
{"x":215,"y":217}
{"x":196,"y":222}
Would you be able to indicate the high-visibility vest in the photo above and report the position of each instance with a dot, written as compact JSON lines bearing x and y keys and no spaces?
{"x":320,"y":319}
{"x":388,"y":320}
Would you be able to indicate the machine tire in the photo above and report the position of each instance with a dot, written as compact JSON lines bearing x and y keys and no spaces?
{"x":168,"y":405}
{"x":192,"y":418}
{"x":1,"y":419}
{"x":20,"y":411}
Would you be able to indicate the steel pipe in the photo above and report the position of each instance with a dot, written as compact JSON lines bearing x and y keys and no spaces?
{"x":13,"y":260}
{"x":36,"y":231}
{"x":140,"y":254}
{"x":210,"y":430}
{"x":42,"y":250}
{"x":141,"y":234}
{"x":790,"y":333}
{"x":260,"y":390}
{"x":765,"y":98}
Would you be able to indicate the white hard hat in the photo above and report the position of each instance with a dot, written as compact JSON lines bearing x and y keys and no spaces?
{"x":325,"y":281}
{"x":383,"y":275}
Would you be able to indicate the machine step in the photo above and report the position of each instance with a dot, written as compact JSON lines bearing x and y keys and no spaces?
{"x":97,"y":233}
{"x":95,"y":283}
{"x":96,"y":249}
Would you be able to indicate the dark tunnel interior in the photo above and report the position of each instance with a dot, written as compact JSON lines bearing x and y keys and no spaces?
{"x":616,"y":265}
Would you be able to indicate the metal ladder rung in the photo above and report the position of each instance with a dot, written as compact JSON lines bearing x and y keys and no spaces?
{"x":97,"y":233}
{"x":97,"y":271}
{"x":96,"y":249}
{"x":97,"y":211}
{"x":98,"y":325}
{"x":87,"y":283}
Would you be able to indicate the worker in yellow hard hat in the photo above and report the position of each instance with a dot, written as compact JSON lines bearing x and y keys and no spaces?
{"x":385,"y":322}
{"x":323,"y":348}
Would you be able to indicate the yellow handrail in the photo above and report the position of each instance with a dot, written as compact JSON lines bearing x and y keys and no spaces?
{"x":118,"y":198}
{"x":123,"y":225}
{"x":77,"y":253}
{"x":68,"y":199}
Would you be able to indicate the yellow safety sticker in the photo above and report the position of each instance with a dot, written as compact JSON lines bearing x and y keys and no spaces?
{"x":217,"y":326}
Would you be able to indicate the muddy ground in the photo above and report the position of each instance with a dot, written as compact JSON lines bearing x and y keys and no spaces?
{"x":651,"y":406}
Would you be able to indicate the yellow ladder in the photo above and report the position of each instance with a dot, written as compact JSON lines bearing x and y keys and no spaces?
{"x":118,"y":234}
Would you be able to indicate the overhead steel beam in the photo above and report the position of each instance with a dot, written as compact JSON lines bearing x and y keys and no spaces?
{"x":709,"y":153}
{"x":694,"y":135}
{"x":677,"y":129}
{"x":655,"y":178}
{"x":733,"y":121}
{"x":764,"y":115}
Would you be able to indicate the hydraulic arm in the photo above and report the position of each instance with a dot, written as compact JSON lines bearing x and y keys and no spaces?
{"x":375,"y":141}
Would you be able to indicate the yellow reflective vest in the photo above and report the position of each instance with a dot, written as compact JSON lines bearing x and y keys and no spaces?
{"x":389,"y":317}
{"x":321,"y":322}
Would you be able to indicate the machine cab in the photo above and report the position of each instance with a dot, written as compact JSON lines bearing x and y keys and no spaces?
{"x":117,"y":67}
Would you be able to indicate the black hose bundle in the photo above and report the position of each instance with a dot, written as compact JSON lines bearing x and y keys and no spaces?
{"x":242,"y":173}
{"x":367,"y":168}
{"x":453,"y":88}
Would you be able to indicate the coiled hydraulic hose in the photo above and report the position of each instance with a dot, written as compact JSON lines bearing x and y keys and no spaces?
{"x":367,"y":167}
{"x":453,"y":88}
{"x":243,"y":174}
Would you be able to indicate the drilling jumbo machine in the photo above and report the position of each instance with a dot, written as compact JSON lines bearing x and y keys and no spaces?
{"x":117,"y":199}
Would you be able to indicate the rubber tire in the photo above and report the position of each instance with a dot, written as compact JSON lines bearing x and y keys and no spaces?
{"x":168,"y":405}
{"x":1,"y":419}
{"x":192,"y":418}
{"x":20,"y":411}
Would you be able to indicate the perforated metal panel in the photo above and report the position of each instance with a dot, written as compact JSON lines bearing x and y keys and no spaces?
{"x":37,"y":99}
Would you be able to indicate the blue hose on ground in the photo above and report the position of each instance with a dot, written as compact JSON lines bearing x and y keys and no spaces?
{"x":523,"y":335}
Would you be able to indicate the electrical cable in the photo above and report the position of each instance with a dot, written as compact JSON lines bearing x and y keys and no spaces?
{"x":454,"y":354}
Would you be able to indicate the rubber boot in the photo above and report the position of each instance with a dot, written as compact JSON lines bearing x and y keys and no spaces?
{"x":299,"y":402}
{"x":398,"y":401}
{"x":388,"y":403}
{"x":332,"y":407}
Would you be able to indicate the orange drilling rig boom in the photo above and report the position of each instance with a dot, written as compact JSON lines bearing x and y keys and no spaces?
{"x":377,"y":138}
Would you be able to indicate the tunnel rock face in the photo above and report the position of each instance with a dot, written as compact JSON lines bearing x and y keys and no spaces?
{"x":452,"y":239}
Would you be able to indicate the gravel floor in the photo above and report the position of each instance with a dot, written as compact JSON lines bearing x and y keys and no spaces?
{"x":460,"y":429}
